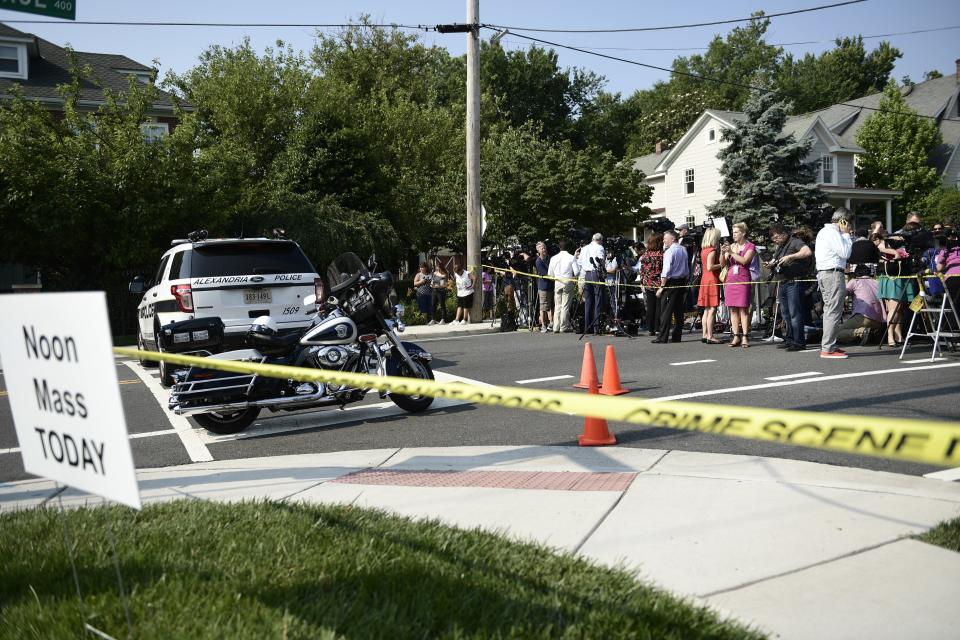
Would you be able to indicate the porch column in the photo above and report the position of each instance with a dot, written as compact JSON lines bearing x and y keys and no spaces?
{"x":846,"y":204}
{"x":889,"y":204}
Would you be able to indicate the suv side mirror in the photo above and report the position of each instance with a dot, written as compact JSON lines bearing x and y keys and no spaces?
{"x":138,"y":285}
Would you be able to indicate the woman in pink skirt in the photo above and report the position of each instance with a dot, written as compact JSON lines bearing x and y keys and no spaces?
{"x":736,"y":289}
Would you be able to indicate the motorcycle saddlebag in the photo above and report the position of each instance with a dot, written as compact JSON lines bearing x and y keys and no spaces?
{"x":199,"y":334}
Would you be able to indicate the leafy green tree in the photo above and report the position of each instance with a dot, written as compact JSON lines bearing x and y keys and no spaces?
{"x":845,"y":72}
{"x":666,"y":113}
{"x":764,"y":177}
{"x":535,"y":188}
{"x":86,"y":196}
{"x":897,"y":144}
{"x":531,"y":86}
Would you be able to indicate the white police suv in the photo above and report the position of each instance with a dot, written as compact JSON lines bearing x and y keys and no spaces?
{"x":235,"y":279}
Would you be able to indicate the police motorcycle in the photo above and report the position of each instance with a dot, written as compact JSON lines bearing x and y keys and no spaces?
{"x":355,"y":330}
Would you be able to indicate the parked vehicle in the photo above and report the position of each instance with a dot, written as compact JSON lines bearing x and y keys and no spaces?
{"x":233,"y":279}
{"x":353,"y":330}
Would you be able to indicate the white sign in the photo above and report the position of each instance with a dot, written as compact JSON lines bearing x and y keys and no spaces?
{"x":62,"y":382}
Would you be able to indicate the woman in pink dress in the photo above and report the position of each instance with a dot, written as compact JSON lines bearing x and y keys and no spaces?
{"x":736,"y":289}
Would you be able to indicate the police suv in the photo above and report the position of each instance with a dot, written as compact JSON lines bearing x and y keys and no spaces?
{"x":236,"y":279}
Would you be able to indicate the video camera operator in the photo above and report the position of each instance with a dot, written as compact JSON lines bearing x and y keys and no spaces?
{"x":592,"y":265}
{"x":791,"y":262}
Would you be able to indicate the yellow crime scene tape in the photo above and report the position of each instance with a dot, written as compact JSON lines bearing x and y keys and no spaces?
{"x":933,"y":442}
{"x":689,"y":286}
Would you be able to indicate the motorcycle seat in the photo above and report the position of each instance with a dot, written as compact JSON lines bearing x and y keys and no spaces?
{"x":273,"y":344}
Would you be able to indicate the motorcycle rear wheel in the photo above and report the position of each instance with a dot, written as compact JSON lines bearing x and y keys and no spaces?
{"x":414,"y":404}
{"x":226,"y":424}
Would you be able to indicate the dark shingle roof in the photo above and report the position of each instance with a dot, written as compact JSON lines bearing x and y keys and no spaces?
{"x":51,"y":69}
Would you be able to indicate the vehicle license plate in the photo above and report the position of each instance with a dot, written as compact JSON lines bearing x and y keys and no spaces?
{"x":257,"y":296}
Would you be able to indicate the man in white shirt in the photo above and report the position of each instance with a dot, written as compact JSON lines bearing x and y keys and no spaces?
{"x":566,"y":268}
{"x":832,"y":249}
{"x":592,"y":260}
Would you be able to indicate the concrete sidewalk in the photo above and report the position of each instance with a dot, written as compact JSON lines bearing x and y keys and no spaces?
{"x":449,"y":330}
{"x":802,"y":550}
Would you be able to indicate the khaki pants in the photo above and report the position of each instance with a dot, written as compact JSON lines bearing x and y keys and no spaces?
{"x":853,"y":328}
{"x":832,"y":288}
{"x":562,"y":302}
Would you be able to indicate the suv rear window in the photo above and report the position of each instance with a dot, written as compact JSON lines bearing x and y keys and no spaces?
{"x":248,"y":258}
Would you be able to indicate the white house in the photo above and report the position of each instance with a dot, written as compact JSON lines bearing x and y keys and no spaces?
{"x":686,"y":178}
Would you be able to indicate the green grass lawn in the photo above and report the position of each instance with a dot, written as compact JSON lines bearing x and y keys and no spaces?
{"x":946,"y":534}
{"x":195,"y":569}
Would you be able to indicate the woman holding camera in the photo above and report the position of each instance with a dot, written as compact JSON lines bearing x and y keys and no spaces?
{"x":893,"y":289}
{"x":439,"y":284}
{"x":709,"y":296}
{"x":422,"y":284}
{"x":736,"y":289}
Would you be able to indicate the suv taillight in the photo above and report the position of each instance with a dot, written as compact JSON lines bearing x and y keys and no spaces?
{"x":320,"y":290}
{"x":183,"y":296}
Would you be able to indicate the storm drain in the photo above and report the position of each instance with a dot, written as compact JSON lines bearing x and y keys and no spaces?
{"x":548,"y":480}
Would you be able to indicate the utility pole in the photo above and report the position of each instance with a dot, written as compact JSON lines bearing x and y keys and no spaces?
{"x":473,"y":155}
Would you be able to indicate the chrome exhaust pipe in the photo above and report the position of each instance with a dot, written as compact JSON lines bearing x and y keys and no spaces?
{"x":285,"y":402}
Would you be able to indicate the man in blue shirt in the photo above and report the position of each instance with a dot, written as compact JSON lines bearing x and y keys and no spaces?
{"x":675,"y":273}
{"x":544,"y":289}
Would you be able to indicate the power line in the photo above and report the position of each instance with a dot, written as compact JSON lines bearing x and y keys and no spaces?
{"x":772,"y":44}
{"x":678,"y":26}
{"x":222,"y":24}
{"x":696,"y":76}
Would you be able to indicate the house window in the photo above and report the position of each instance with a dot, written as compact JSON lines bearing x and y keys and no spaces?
{"x":13,"y":61}
{"x":153,"y":131}
{"x":690,"y":219}
{"x":688,"y":182}
{"x":711,"y":135}
{"x":826,"y":169}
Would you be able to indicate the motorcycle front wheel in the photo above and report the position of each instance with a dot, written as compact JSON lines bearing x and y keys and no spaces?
{"x":414,"y":404}
{"x":227,"y":423}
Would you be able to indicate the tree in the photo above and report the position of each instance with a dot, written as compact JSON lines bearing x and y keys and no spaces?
{"x":764,"y":176}
{"x":897,"y":144}
{"x":530,"y":85}
{"x":87,"y":196}
{"x":843,"y":73}
{"x":536,"y":188}
{"x":666,"y":113}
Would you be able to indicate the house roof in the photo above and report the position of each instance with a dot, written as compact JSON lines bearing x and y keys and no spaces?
{"x":648,"y":163}
{"x":936,"y":98}
{"x":50,"y":67}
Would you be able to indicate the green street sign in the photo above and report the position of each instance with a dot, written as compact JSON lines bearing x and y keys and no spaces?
{"x":66,"y":9}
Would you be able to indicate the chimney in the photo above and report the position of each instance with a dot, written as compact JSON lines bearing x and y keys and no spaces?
{"x":659,"y":147}
{"x":958,"y":69}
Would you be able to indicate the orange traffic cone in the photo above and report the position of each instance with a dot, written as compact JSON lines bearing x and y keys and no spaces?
{"x":588,"y":370}
{"x":595,"y":431}
{"x":611,"y":375}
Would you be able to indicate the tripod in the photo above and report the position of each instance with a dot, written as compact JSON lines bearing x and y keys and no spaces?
{"x":616,"y":323}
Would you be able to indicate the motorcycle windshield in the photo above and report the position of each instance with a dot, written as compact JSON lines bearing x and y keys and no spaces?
{"x":344,"y":267}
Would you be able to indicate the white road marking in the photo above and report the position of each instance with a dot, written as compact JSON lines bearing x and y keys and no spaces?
{"x":13,"y":450}
{"x":922,"y":360}
{"x":150,"y":434}
{"x":785,"y":383}
{"x":547,"y":379}
{"x":950,"y":475}
{"x":190,"y":437}
{"x":680,"y":364}
{"x":795,"y":375}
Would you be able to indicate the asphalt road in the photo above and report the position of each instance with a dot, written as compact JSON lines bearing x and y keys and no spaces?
{"x":872,"y":382}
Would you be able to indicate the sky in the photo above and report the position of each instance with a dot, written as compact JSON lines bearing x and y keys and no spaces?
{"x":178,"y":48}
